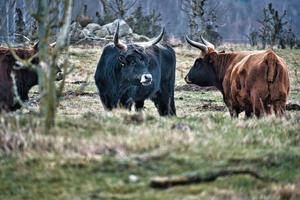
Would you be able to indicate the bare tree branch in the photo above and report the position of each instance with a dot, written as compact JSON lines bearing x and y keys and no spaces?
{"x":201,"y":177}
{"x":17,"y":97}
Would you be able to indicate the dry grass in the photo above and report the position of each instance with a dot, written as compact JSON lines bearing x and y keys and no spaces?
{"x":91,"y":153}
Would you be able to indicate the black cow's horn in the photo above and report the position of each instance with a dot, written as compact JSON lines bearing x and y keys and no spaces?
{"x":117,"y":43}
{"x":198,"y":45}
{"x":154,"y":41}
{"x":208,"y":44}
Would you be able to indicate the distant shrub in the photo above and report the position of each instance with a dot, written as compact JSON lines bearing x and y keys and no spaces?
{"x":275,"y":29}
{"x":204,"y":18}
{"x":145,"y":24}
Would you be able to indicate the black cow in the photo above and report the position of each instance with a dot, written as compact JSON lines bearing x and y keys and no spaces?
{"x":25,"y":78}
{"x":130,"y":74}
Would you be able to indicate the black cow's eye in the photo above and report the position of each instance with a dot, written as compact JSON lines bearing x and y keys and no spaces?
{"x":122,"y":60}
{"x":133,"y":62}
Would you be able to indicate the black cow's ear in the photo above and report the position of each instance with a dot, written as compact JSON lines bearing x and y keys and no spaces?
{"x":200,"y":59}
{"x":122,"y":59}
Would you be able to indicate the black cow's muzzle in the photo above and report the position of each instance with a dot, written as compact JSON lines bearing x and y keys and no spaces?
{"x":146,"y":79}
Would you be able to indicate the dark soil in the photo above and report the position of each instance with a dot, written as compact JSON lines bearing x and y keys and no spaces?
{"x":192,"y":87}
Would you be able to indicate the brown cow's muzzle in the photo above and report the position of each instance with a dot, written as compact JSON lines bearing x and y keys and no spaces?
{"x":59,"y":76}
{"x":187,"y":80}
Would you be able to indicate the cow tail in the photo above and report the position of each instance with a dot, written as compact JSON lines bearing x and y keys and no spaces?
{"x":271,"y":61}
{"x":271,"y":64}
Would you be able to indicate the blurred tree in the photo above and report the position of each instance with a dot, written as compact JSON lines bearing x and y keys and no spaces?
{"x":20,"y":25}
{"x":204,"y":18}
{"x":195,"y":12}
{"x":277,"y":24}
{"x":148,"y":25}
{"x":275,"y":29}
{"x":104,"y":6}
{"x":33,"y":30}
{"x":290,"y":37}
{"x":99,"y":19}
{"x":120,"y":8}
{"x":114,"y":9}
{"x":84,"y":19}
{"x":253,"y":38}
{"x":264,"y":30}
{"x":46,"y":17}
{"x":107,"y":16}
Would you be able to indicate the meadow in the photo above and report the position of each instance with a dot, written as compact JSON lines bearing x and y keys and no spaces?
{"x":95,"y":154}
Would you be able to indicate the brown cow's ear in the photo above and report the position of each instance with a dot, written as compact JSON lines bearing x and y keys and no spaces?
{"x":213,"y":57}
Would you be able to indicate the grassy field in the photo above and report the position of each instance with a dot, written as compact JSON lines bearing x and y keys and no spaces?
{"x":94,"y":154}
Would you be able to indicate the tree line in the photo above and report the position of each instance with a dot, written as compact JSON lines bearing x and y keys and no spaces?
{"x":275,"y":29}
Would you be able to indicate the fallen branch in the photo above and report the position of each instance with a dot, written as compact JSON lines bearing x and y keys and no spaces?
{"x":292,"y":106}
{"x":200,"y":177}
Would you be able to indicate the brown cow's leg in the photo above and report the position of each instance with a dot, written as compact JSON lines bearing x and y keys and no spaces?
{"x":257,"y":104}
{"x":234,"y":113}
{"x":237,"y":112}
{"x":268,"y":108}
{"x":279,"y":108}
{"x":257,"y":112}
{"x":248,"y":113}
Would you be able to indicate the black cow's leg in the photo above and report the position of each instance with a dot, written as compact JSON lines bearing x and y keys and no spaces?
{"x":161,"y":107}
{"x":107,"y":102}
{"x":163,"y":104}
{"x":139,"y":105}
{"x":173,"y":108}
{"x":165,"y":100}
{"x":126,"y":102}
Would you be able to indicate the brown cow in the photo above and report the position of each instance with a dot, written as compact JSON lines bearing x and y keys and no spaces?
{"x":25,"y":78}
{"x":254,"y":81}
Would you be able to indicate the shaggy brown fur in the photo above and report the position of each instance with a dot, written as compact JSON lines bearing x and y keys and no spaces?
{"x":25,"y":78}
{"x":254,"y":82}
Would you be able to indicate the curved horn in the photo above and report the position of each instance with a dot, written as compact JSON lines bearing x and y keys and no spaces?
{"x":117,"y":43}
{"x":208,"y":44}
{"x":36,"y":45}
{"x":52,"y":45}
{"x":198,"y":45}
{"x":154,"y":41}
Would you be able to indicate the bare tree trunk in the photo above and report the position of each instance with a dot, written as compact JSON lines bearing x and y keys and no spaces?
{"x":46,"y":72}
{"x":105,"y":6}
{"x":47,"y":66}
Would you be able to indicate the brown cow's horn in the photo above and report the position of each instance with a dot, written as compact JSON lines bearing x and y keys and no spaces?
{"x":52,"y":44}
{"x":198,"y":45}
{"x":36,"y":45}
{"x":117,"y":43}
{"x":154,"y":41}
{"x":208,"y":44}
